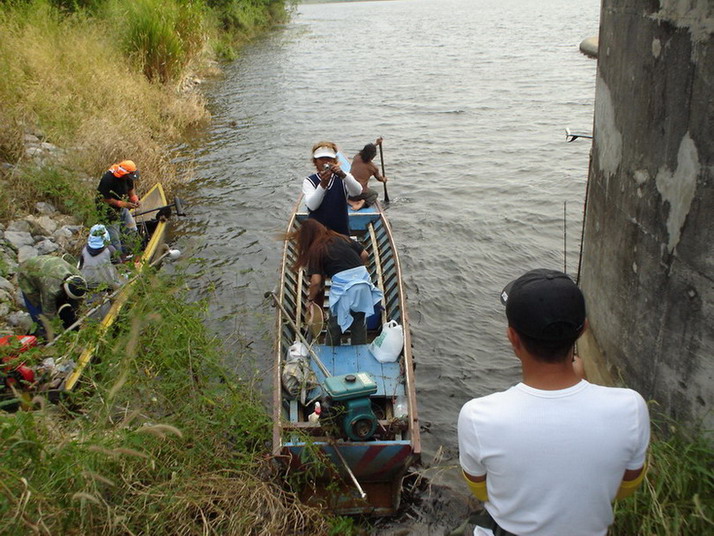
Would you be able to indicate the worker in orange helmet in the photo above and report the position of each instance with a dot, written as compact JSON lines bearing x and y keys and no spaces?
{"x":116,"y":196}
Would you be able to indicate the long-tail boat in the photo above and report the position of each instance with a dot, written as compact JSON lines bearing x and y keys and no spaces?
{"x":355,"y":454}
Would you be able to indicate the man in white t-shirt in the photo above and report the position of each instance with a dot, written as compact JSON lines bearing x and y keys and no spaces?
{"x":549,"y":455}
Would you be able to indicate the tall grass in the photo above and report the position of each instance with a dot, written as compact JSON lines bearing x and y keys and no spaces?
{"x":64,"y":79}
{"x":99,"y":79}
{"x":166,"y":442}
{"x":162,"y":36}
{"x":677,"y":496}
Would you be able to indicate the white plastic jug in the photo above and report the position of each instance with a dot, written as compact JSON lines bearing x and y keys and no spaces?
{"x":387,"y":347}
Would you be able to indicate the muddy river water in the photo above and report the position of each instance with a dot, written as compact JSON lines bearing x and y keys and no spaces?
{"x":472,"y":98}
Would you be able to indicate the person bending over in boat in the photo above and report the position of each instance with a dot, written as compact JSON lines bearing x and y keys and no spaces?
{"x":325,"y":253}
{"x":95,"y":262}
{"x":115,"y":197}
{"x":549,"y":455}
{"x":362,"y":169}
{"x":51,"y":287}
{"x":327,"y":190}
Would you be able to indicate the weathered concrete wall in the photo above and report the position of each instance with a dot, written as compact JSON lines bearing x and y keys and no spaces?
{"x":648,"y":268}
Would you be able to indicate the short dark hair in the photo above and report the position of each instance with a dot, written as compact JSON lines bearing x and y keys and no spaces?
{"x":368,"y":152}
{"x":547,"y":351}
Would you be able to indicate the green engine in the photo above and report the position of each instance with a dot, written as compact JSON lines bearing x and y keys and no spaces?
{"x":351,"y":392}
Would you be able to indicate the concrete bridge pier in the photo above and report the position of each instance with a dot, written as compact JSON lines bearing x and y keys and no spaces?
{"x":648,"y":261}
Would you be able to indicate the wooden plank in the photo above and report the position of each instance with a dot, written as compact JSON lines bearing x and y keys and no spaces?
{"x":293,"y":415}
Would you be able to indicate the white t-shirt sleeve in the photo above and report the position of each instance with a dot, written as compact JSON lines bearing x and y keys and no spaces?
{"x":313,"y":195}
{"x":352,"y":185}
{"x":642,"y":438}
{"x":469,"y":447}
{"x":481,"y":531}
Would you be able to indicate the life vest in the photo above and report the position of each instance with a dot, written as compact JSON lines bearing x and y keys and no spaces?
{"x":332,"y":212}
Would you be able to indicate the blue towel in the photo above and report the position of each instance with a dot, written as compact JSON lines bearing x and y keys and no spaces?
{"x":352,"y":291}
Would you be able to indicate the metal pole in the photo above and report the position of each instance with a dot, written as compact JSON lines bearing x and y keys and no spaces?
{"x":349,"y":471}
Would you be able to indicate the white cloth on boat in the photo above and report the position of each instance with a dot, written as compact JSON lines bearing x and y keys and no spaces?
{"x":352,"y":291}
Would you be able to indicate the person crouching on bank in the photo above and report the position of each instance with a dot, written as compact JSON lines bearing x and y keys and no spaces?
{"x":51,"y":288}
{"x":115,"y":197}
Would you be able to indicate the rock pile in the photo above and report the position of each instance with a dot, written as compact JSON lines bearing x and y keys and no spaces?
{"x":47,"y":232}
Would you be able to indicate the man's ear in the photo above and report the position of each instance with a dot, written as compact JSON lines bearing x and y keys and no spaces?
{"x":513,"y":337}
{"x":586,"y":325}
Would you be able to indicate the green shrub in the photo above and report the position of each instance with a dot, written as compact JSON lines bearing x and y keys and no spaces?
{"x":59,"y":186}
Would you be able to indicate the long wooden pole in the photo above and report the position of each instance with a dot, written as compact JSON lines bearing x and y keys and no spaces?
{"x":381,"y":157}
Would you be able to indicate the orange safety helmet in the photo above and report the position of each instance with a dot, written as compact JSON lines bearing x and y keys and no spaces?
{"x":125,"y":167}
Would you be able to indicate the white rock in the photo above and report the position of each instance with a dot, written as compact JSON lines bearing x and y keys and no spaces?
{"x":6,"y":285}
{"x":26,"y":252}
{"x":46,"y":246}
{"x":21,"y":226}
{"x":45,"y":208}
{"x":5,"y":303}
{"x":20,"y":320}
{"x":8,"y":263}
{"x":43,"y":225}
{"x":62,"y":232}
{"x":17,"y":239}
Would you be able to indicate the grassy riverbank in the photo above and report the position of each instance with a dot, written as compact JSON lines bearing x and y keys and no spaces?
{"x":105,"y":80}
{"x":162,"y":439}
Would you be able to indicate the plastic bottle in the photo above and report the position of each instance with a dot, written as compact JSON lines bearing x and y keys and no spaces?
{"x":401,"y":407}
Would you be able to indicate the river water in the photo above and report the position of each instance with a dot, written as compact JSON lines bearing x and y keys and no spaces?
{"x":472,"y":98}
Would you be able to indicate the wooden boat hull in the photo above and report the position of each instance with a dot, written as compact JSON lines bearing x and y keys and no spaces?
{"x":154,"y":198}
{"x":380,"y":463}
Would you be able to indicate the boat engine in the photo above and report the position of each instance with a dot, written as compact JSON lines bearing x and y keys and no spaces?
{"x":350,"y":406}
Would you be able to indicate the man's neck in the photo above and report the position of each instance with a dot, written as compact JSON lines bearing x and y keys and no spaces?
{"x":548,"y":376}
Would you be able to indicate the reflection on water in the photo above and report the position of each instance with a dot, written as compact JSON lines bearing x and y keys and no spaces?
{"x":472,"y":98}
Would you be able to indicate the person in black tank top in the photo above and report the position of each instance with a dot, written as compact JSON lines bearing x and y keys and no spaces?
{"x":325,"y":253}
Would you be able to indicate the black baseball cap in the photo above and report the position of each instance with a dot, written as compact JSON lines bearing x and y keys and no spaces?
{"x":545,"y":305}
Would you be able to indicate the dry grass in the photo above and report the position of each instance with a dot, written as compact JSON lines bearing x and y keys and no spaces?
{"x":66,"y":79}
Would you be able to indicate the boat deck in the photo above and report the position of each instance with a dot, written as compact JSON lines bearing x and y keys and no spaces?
{"x":341,"y":360}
